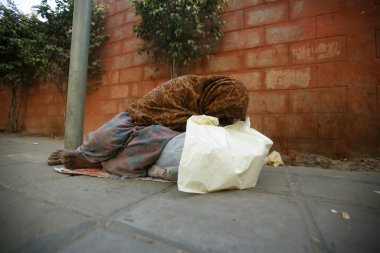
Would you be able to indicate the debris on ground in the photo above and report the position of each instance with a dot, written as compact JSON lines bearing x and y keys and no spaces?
{"x":345,"y":215}
{"x":274,"y":159}
{"x":93,"y":172}
{"x":295,"y":158}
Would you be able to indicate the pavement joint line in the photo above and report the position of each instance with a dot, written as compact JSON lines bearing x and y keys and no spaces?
{"x":48,"y":201}
{"x":337,"y":202}
{"x":368,"y":180}
{"x":116,"y":213}
{"x":265,"y":191}
{"x":124,"y":228}
{"x":67,"y":239}
{"x":12,"y":163}
{"x":316,"y":240}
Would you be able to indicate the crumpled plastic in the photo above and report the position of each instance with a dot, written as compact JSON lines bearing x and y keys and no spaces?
{"x":218,"y":158}
{"x":274,"y":159}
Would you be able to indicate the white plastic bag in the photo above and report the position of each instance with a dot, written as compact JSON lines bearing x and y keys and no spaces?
{"x":216,"y":158}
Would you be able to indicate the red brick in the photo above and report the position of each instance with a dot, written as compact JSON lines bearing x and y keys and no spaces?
{"x":302,"y":29}
{"x":141,"y":59}
{"x":122,"y":5}
{"x":253,"y":79}
{"x":241,"y":4}
{"x":108,"y":106}
{"x":270,"y":56}
{"x":121,"y":32}
{"x":54,"y":110}
{"x":233,"y":21}
{"x":4,"y":105}
{"x":152,"y":72}
{"x":266,"y":14}
{"x":290,"y":125}
{"x":378,"y":43}
{"x":110,"y":77}
{"x":146,"y":86}
{"x":111,"y":7}
{"x":378,"y":99}
{"x":130,"y":75}
{"x":304,"y":145}
{"x":103,"y":92}
{"x":363,"y":133}
{"x":333,"y":74}
{"x":310,"y":8}
{"x":131,"y":44}
{"x":225,"y":62}
{"x":32,"y":122}
{"x":362,"y":98}
{"x":332,"y":125}
{"x":51,"y":98}
{"x":333,"y":24}
{"x":114,"y":21}
{"x":138,"y":90}
{"x":256,"y":121}
{"x":318,"y":100}
{"x":290,"y":77}
{"x":36,"y":110}
{"x":111,"y":49}
{"x":130,"y":17}
{"x":320,"y":50}
{"x":119,"y":91}
{"x":121,"y":61}
{"x":124,"y":103}
{"x":243,"y":39}
{"x":280,"y":145}
{"x":268,"y":102}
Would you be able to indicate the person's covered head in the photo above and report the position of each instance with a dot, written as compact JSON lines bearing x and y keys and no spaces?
{"x":226,"y":99}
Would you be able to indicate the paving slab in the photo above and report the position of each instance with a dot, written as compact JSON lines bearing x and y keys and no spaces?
{"x":24,"y":218}
{"x":289,"y":210}
{"x":231,"y":221}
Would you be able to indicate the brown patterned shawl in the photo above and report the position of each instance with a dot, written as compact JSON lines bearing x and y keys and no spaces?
{"x":173,"y":102}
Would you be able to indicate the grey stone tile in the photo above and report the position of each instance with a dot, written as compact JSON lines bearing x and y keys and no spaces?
{"x":23,"y":219}
{"x":358,"y":234}
{"x":272,"y":180}
{"x":101,"y":240}
{"x":229,"y":221}
{"x":355,"y":191}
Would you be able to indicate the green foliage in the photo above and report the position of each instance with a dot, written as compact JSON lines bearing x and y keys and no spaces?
{"x":34,"y":49}
{"x":176,"y":31}
{"x":20,"y":48}
{"x":57,"y":27}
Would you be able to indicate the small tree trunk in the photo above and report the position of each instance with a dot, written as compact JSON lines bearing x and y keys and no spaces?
{"x":173,"y":68}
{"x":14,"y":110}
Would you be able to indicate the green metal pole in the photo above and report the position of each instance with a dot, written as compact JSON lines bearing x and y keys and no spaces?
{"x":76,"y":92}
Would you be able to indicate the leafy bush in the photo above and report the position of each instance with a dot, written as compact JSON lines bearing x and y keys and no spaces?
{"x":57,"y":27}
{"x":20,"y":49}
{"x":32,"y":49}
{"x":176,"y":31}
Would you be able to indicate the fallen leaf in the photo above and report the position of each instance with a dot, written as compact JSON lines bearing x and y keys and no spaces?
{"x":345,"y":215}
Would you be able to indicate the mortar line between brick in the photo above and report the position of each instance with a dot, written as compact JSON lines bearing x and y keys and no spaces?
{"x":316,"y":240}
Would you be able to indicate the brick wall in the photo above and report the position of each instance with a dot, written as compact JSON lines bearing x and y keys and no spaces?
{"x":312,"y":68}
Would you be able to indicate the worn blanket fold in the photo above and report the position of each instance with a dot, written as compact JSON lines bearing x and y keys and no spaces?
{"x":173,"y":102}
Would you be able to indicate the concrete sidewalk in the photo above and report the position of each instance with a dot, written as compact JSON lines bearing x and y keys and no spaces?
{"x":290,"y":210}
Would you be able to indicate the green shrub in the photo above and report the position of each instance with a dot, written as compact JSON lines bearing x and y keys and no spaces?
{"x":177,"y":31}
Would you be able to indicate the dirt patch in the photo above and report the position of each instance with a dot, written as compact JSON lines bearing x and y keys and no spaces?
{"x":346,"y":164}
